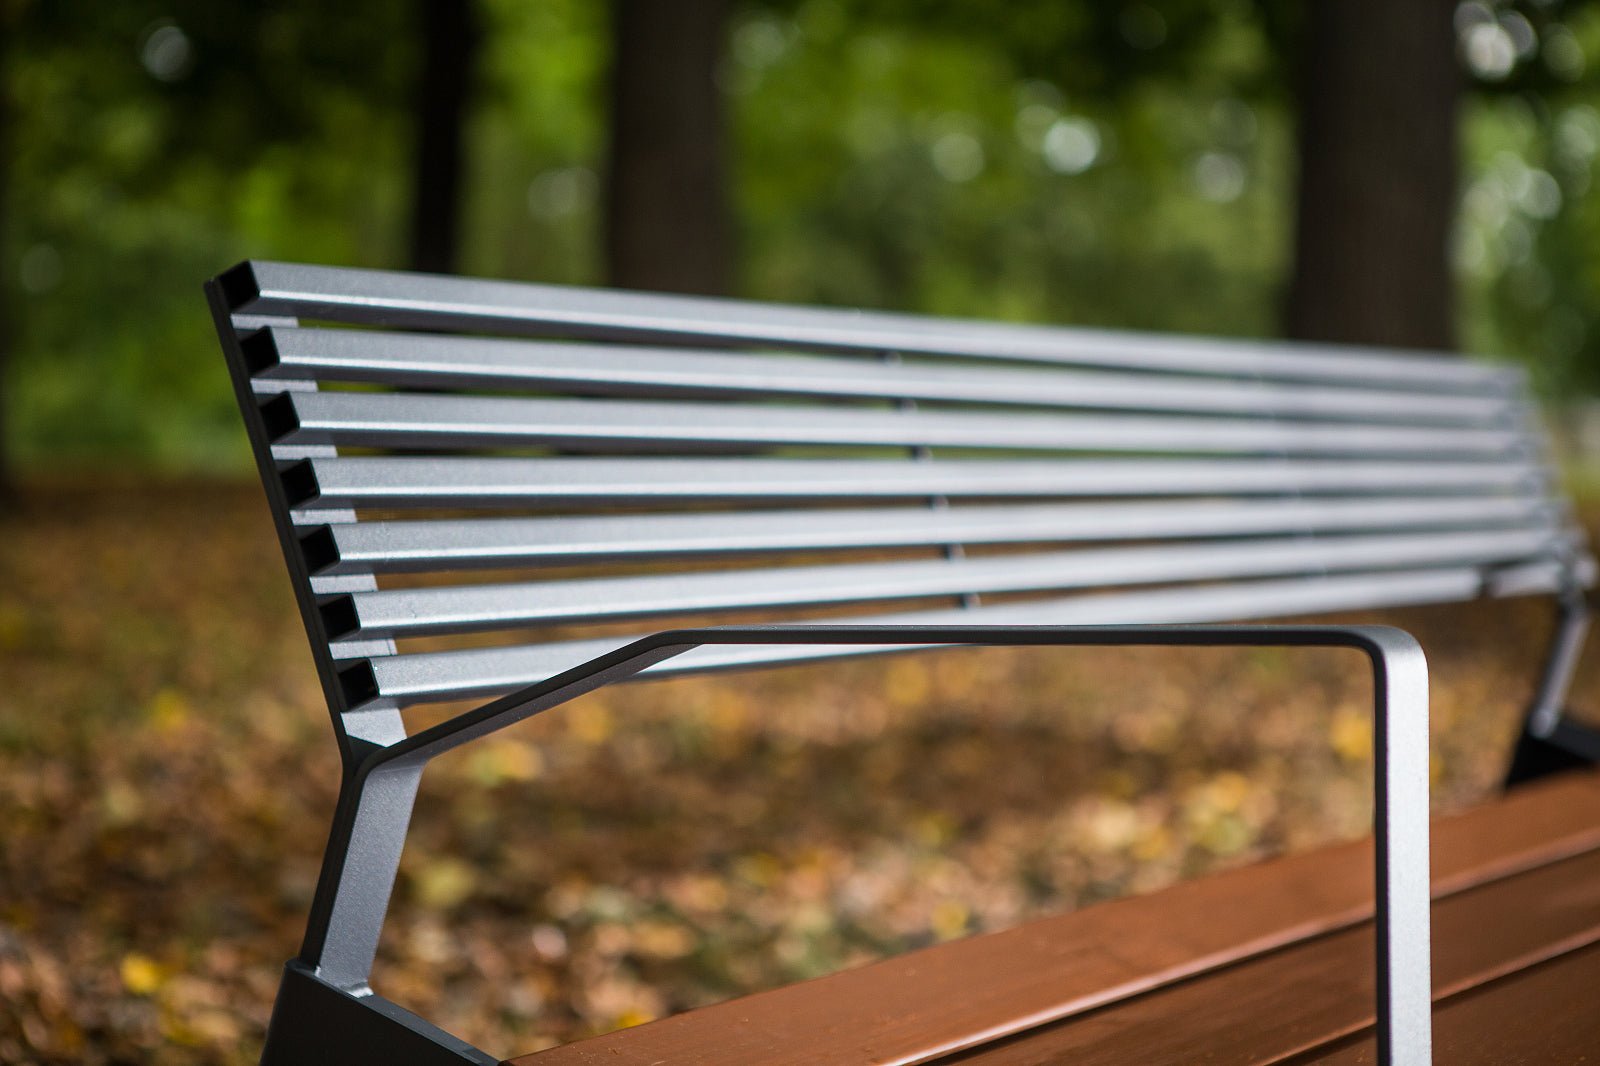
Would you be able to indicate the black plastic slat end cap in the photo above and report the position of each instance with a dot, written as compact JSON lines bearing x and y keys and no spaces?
{"x":319,"y":549}
{"x":339,"y":617}
{"x":300,"y":483}
{"x":260,"y":350}
{"x":358,"y":684}
{"x":239,"y":286}
{"x":278,"y":417}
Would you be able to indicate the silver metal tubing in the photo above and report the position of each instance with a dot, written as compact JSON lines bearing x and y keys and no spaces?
{"x":362,"y":857}
{"x":392,"y":546}
{"x":434,"y":362}
{"x":412,"y":420}
{"x":423,"y":677}
{"x":1260,"y":478}
{"x":435,"y":302}
{"x":1540,"y":578}
{"x":349,"y":916}
{"x":472,"y":482}
{"x":466,"y":608}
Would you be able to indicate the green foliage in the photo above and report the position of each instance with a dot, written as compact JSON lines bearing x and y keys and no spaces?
{"x":925,"y":170}
{"x":1125,"y":164}
{"x":537,"y":138}
{"x":155,"y":145}
{"x":1530,"y":223}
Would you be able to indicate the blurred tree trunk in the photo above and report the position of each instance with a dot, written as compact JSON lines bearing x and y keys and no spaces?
{"x":1378,"y":97}
{"x":449,"y":56}
{"x":668,"y":222}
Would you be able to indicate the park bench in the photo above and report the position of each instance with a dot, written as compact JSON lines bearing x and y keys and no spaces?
{"x":548,"y":459}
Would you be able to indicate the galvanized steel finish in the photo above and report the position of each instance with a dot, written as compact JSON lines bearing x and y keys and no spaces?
{"x":344,"y":935}
{"x":497,"y":465}
{"x":577,"y":442}
{"x":467,"y":305}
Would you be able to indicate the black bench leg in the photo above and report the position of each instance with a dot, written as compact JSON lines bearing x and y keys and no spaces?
{"x":325,"y":1011}
{"x":1550,"y":742}
{"x":1568,"y":746}
{"x":316,"y":1024}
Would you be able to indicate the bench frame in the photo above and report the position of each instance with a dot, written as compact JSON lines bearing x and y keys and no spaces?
{"x":326,"y":1010}
{"x":1550,"y":742}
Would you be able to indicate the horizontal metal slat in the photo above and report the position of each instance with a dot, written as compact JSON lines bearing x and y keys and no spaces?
{"x":422,"y":677}
{"x":408,"y":420}
{"x":432,"y":302}
{"x":498,"y":482}
{"x":466,"y":608}
{"x":480,"y":363}
{"x":396,"y":546}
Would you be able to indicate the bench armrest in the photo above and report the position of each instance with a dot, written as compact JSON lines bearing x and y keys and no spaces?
{"x":369,"y":828}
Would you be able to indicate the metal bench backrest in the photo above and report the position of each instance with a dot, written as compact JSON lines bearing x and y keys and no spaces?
{"x":552,"y":458}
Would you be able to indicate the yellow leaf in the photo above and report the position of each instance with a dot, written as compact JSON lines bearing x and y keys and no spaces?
{"x":662,"y":940}
{"x":1109,"y":826}
{"x":507,"y":760}
{"x":1351,"y":736}
{"x":169,"y":710}
{"x":445,"y":883}
{"x":759,"y":869}
{"x":1229,"y":790}
{"x":141,"y":974}
{"x":121,"y":802}
{"x":1226,"y":835}
{"x":702,"y":893}
{"x":13,"y":626}
{"x":935,"y":829}
{"x":1152,"y":845}
{"x":591,"y":722}
{"x":909,"y":684}
{"x":949,"y":919}
{"x":730,"y":710}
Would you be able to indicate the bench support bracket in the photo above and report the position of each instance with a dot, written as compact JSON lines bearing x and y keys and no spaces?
{"x":1550,"y":742}
{"x":326,"y":994}
{"x":316,"y":1024}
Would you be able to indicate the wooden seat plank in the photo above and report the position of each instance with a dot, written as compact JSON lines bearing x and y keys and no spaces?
{"x":1542,"y":1015}
{"x":1321,"y":990}
{"x":928,"y":1004}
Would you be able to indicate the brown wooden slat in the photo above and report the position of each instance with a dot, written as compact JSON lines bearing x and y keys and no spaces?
{"x":1319,"y":991}
{"x":1537,"y":1017}
{"x":927,"y":1004}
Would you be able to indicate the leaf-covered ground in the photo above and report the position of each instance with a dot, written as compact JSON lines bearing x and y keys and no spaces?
{"x":166,"y":776}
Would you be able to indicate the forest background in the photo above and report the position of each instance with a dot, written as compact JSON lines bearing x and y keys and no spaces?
{"x":1414,"y":174}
